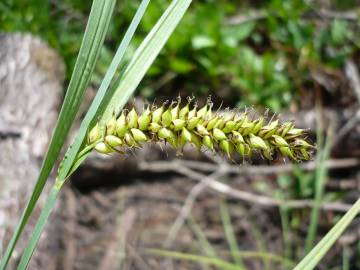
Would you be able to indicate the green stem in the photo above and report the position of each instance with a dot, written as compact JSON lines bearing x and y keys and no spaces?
{"x":219,"y":262}
{"x":171,"y":17}
{"x":80,"y":158}
{"x":318,"y":252}
{"x":45,"y":213}
{"x":90,"y":48}
{"x":320,"y":178}
{"x":230,"y":235}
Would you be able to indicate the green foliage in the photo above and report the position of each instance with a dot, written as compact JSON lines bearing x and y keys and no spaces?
{"x":262,"y":61}
{"x":94,"y":36}
{"x":230,"y":235}
{"x":319,"y":251}
{"x":104,"y":100}
{"x":210,"y":256}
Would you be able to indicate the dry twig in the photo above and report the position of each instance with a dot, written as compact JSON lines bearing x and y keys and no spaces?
{"x":189,"y":202}
{"x":260,"y":200}
{"x":353,"y":76}
{"x":265,"y":170}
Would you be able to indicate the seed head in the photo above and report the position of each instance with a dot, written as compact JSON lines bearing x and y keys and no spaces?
{"x":226,"y":132}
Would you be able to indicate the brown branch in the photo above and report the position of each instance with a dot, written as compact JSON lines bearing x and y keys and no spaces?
{"x":264,"y":170}
{"x":352,"y":75}
{"x":249,"y":197}
{"x":188,"y":205}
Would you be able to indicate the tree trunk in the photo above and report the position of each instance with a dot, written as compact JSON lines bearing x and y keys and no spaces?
{"x":31,"y":77}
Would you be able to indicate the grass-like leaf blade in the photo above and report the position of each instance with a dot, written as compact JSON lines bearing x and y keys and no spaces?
{"x":164,"y":28}
{"x":98,"y":105}
{"x":320,"y":181}
{"x":211,"y":261}
{"x":45,"y":213}
{"x":318,"y":252}
{"x":71,"y":163}
{"x":219,"y":263}
{"x":145,"y":55}
{"x":90,"y":48}
{"x":230,"y":235}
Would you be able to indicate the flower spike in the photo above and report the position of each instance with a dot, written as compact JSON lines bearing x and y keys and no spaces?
{"x":226,"y":132}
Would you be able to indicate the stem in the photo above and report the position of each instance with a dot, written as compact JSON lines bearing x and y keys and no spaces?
{"x":230,"y":235}
{"x":320,"y":181}
{"x":94,"y":36}
{"x":45,"y":213}
{"x":318,"y":252}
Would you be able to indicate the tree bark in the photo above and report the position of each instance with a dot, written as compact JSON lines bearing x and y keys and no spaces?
{"x":31,"y":78}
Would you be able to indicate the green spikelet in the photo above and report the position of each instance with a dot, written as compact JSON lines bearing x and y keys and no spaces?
{"x":144,"y":120}
{"x":94,"y":134}
{"x":226,"y":132}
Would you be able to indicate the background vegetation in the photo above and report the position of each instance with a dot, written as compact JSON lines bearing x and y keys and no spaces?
{"x":241,"y":52}
{"x":268,"y":54}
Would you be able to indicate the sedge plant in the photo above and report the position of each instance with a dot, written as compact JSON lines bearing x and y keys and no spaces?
{"x":113,"y":92}
{"x":179,"y":124}
{"x":106,"y":128}
{"x":210,"y":256}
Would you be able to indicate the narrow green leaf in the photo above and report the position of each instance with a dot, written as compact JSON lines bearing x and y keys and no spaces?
{"x":90,"y":48}
{"x":163,"y":30}
{"x":98,"y":103}
{"x":80,"y":159}
{"x":230,"y":235}
{"x":219,"y":263}
{"x":45,"y":213}
{"x":320,"y":181}
{"x":145,"y":55}
{"x":131,"y":77}
{"x":74,"y":156}
{"x":319,"y":251}
{"x":345,"y":259}
{"x":205,"y":245}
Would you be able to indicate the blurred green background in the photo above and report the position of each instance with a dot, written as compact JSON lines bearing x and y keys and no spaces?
{"x":259,"y":53}
{"x":268,"y":54}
